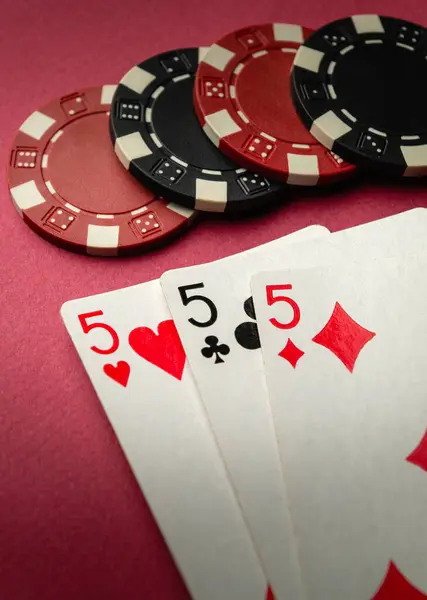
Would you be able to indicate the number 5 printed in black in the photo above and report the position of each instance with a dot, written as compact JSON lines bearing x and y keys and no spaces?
{"x":186,"y":300}
{"x":214,"y":349}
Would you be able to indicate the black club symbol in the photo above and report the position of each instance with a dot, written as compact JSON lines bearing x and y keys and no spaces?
{"x":246,"y":333}
{"x":215,"y":349}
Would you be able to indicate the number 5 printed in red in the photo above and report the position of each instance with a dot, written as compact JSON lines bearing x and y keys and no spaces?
{"x":272,"y":299}
{"x":118,"y":372}
{"x":290,"y":352}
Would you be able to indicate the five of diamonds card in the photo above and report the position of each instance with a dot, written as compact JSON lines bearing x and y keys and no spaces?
{"x":272,"y":407}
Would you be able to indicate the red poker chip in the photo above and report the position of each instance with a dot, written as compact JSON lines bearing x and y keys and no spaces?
{"x":242,"y":97}
{"x":68,"y":185}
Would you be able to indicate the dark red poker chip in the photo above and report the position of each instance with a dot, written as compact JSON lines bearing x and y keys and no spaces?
{"x":68,"y":186}
{"x":242,"y":97}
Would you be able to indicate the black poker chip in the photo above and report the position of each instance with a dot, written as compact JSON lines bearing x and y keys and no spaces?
{"x":158,"y":138}
{"x":360,"y":86}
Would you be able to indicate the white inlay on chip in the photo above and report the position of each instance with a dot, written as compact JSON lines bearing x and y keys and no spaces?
{"x":181,"y":77}
{"x":107,"y":93}
{"x":260,"y":53}
{"x":138,"y":211}
{"x":102,"y":236}
{"x":405,"y":46}
{"x":203,"y":50}
{"x":332,"y":91}
{"x":243,"y":116}
{"x":331,"y":67}
{"x":238,"y":69}
{"x":180,"y":210}
{"x":346,"y":50}
{"x":157,"y":92}
{"x":50,"y":187}
{"x":367,"y":24}
{"x":211,"y":172}
{"x":211,"y":195}
{"x":308,"y":59}
{"x":303,"y":169}
{"x":156,"y":140}
{"x":26,"y":196}
{"x":71,"y":207}
{"x":328,"y":128}
{"x":137,"y":79}
{"x":416,"y":160}
{"x":179,"y":161}
{"x":348,"y":115}
{"x":377,"y":131}
{"x":36,"y":125}
{"x":105,"y":216}
{"x":286,"y":32}
{"x":222,"y":123}
{"x":268,"y":137}
{"x":130,"y":147}
{"x":45,"y":161}
{"x":57,"y":135}
{"x":211,"y":134}
{"x":218,"y":57}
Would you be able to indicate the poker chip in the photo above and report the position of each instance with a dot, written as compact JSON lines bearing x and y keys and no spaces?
{"x":359,"y":85}
{"x":157,"y":137}
{"x":67,"y":184}
{"x":243,"y":100}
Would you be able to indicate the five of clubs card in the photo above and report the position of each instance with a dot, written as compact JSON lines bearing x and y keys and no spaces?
{"x":272,"y":406}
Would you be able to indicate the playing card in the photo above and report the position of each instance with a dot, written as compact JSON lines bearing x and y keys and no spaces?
{"x":133,"y":355}
{"x":213,"y":311}
{"x":344,"y":354}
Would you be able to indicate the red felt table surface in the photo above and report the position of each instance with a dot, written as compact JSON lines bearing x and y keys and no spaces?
{"x":73,"y":523}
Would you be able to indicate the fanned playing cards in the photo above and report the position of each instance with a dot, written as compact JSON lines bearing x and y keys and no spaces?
{"x":272,"y":407}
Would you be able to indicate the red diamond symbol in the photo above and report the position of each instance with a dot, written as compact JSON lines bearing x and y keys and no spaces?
{"x":291,"y":353}
{"x":270,"y":595}
{"x":396,"y":587}
{"x":418,"y":457}
{"x":343,"y":337}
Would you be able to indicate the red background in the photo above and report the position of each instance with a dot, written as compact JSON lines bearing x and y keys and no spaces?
{"x":73,"y":523}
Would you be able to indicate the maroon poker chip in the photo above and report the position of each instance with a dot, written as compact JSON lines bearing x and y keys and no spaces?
{"x":68,"y":186}
{"x":242,"y":97}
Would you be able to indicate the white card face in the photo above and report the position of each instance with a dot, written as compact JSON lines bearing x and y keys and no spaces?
{"x":210,"y":306}
{"x":344,"y":348}
{"x":391,"y":236}
{"x":133,"y":355}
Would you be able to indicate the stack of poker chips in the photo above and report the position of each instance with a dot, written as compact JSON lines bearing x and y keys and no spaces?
{"x":228,"y":128}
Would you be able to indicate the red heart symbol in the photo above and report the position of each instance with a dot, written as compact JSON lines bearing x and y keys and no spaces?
{"x":119,"y":372}
{"x":163,"y":349}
